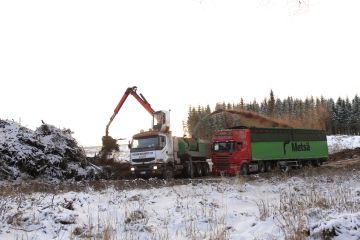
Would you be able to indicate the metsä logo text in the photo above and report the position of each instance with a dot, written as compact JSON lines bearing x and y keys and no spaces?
{"x":299,"y":147}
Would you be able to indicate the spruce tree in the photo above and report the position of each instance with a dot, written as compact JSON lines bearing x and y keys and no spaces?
{"x":271,"y":104}
{"x":355,"y":115}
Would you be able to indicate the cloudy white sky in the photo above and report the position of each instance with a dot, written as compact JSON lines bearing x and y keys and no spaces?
{"x":69,"y":62}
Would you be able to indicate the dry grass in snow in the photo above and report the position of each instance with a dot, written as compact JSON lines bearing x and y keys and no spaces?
{"x":323,"y":207}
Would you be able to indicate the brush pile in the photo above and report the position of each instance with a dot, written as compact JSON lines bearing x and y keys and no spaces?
{"x":345,"y":154}
{"x":48,"y":152}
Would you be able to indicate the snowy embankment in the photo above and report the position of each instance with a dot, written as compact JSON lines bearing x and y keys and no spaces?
{"x":337,"y":143}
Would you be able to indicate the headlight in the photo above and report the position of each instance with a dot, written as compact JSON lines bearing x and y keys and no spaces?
{"x":154,"y":167}
{"x":132,"y":169}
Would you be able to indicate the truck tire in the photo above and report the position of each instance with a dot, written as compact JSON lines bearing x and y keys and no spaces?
{"x":206,"y":169}
{"x":168,"y":173}
{"x":261,"y":166}
{"x":199,"y":170}
{"x":268,"y":166}
{"x":315,"y":163}
{"x":306,"y":163}
{"x":285,"y":168}
{"x":245,"y":169}
{"x":190,"y":170}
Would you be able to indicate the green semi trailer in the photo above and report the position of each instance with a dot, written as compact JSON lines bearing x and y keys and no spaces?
{"x":155,"y":153}
{"x":243,"y":149}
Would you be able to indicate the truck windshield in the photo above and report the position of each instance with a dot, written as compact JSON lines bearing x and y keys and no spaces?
{"x":223,"y":146}
{"x":156,"y":143}
{"x":145,"y":143}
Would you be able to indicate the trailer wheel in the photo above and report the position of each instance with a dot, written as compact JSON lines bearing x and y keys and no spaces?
{"x":304,"y":163}
{"x":245,"y":169}
{"x":268,"y":166}
{"x":261,"y":166}
{"x":315,"y":163}
{"x":206,"y":169}
{"x":285,"y":168}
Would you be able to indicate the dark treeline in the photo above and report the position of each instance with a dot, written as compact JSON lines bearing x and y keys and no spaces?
{"x":340,"y":116}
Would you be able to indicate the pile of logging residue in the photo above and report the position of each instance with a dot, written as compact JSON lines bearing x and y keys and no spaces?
{"x":48,"y":152}
{"x":345,"y":154}
{"x":252,"y":119}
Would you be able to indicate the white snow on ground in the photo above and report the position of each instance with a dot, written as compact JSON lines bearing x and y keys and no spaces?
{"x":223,"y":209}
{"x":339,"y":142}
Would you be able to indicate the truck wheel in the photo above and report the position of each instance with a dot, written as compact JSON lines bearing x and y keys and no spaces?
{"x":199,"y":170}
{"x":168,"y":173}
{"x":261,"y":166}
{"x":285,"y":168}
{"x":268,"y":166}
{"x":190,"y":170}
{"x":315,"y":163}
{"x":305,"y":163}
{"x":245,"y":169}
{"x":206,"y":169}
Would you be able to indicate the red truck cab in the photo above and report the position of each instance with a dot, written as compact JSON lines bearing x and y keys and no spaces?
{"x":231,"y":148}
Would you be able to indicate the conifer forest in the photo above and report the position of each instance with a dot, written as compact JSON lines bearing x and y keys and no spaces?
{"x":335,"y":116}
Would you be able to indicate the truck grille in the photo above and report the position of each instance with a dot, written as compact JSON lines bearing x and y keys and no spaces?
{"x":143,"y":160}
{"x":221,"y":158}
{"x":221,"y":161}
{"x":143,"y":167}
{"x":221,"y":164}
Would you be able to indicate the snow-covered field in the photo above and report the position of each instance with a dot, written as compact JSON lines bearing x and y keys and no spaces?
{"x":228,"y":208}
{"x":313,"y":206}
{"x":340,"y":142}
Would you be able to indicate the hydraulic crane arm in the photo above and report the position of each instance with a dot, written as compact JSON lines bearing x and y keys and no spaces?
{"x":141,"y":99}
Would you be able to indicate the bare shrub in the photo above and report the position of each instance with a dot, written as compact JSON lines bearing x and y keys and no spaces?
{"x":293,"y":226}
{"x":135,"y":216}
{"x":266,"y":209}
{"x":297,"y":203}
{"x":107,"y":233}
{"x":3,"y":207}
{"x":78,"y":231}
{"x":240,"y":182}
{"x":291,"y":216}
{"x":16,"y":219}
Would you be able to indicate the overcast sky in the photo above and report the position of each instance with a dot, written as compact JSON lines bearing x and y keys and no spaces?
{"x":69,"y":62}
